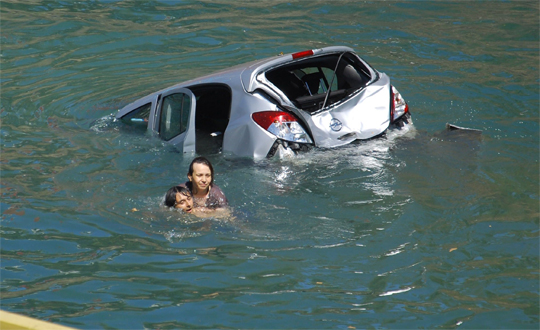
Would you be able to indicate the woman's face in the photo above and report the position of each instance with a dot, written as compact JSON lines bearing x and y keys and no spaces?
{"x":201,"y":178}
{"x":184,"y":202}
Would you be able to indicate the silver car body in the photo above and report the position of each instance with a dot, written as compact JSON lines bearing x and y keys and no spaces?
{"x":230,"y":108}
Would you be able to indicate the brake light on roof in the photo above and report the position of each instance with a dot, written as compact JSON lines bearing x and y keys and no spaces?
{"x":302,"y":54}
{"x":283,"y":125}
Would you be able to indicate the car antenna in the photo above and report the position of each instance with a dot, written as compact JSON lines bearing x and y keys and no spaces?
{"x":331,"y":81}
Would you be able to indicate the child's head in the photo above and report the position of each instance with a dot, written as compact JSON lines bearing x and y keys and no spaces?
{"x":179,"y":197}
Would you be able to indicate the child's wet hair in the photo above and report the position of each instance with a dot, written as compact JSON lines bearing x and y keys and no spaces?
{"x":170,"y":196}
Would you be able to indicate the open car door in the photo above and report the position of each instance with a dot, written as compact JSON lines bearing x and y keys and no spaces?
{"x":175,"y":118}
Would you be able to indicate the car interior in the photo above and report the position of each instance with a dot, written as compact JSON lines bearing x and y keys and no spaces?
{"x":211,"y":116}
{"x":307,"y":82}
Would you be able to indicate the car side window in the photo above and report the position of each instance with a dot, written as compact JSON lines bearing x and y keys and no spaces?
{"x":186,"y":107}
{"x":138,"y":118}
{"x":174,"y":115}
{"x":329,"y":74}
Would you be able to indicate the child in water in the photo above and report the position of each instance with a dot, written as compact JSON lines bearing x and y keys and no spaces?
{"x":180,"y":197}
{"x":199,"y":195}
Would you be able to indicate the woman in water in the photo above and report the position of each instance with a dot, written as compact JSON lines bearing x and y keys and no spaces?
{"x":200,"y":182}
{"x":207,"y":199}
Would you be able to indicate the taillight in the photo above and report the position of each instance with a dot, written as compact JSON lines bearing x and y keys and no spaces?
{"x":283,"y":125}
{"x":399,"y":107}
{"x":302,"y":54}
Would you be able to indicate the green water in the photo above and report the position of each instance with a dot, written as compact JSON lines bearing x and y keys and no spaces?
{"x":430,"y":230}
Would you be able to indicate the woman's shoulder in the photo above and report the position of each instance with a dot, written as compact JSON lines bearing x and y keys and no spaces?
{"x":216,"y":191}
{"x":217,"y":194}
{"x":216,"y":188}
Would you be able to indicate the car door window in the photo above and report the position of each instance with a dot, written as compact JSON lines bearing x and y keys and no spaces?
{"x":138,"y":118}
{"x":186,"y":107}
{"x":174,"y":115}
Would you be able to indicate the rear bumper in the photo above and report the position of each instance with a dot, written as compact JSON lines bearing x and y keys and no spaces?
{"x":288,"y":147}
{"x":281,"y":147}
{"x":403,"y":120}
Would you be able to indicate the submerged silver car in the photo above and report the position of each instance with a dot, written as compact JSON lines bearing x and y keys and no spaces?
{"x":277,"y":106}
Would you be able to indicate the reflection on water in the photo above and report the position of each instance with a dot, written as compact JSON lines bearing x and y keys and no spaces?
{"x":419,"y":229}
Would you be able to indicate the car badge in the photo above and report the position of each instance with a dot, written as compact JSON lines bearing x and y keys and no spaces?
{"x":335,"y":125}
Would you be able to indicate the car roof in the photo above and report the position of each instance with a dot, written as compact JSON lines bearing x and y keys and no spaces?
{"x":252,"y":70}
{"x":244,"y":74}
{"x":247,"y":72}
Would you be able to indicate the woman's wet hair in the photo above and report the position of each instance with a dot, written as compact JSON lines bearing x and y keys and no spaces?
{"x":170,"y":196}
{"x":203,"y":161}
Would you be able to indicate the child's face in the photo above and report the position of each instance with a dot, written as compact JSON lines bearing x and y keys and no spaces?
{"x":184,"y":202}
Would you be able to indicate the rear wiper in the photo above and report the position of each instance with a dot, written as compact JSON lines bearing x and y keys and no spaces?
{"x":332,"y":81}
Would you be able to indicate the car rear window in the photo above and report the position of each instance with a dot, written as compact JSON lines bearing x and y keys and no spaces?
{"x":307,"y":81}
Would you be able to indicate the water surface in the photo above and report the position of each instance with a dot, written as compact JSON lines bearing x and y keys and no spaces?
{"x":426,"y":230}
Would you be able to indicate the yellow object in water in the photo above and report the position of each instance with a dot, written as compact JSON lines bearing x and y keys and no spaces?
{"x":12,"y":321}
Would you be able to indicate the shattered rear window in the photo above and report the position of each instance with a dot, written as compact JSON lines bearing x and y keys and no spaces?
{"x":306,"y":82}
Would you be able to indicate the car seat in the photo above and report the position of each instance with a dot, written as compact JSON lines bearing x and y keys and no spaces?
{"x":313,"y":81}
